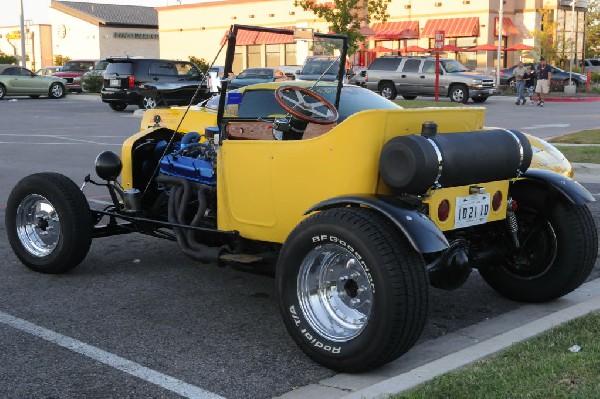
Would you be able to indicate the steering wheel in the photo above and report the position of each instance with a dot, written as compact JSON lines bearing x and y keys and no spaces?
{"x":306,"y":105}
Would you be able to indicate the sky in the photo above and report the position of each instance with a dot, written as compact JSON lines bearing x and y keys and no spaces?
{"x":37,"y":10}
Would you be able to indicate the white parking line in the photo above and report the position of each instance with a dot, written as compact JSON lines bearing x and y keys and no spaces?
{"x":137,"y":370}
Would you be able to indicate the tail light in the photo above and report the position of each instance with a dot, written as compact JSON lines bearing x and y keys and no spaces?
{"x":496,"y":201}
{"x":131,"y":81}
{"x":443,"y":210}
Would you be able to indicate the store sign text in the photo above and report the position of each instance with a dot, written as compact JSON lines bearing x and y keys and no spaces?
{"x":130,"y":35}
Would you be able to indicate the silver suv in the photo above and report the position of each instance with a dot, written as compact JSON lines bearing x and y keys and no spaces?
{"x":415,"y":76}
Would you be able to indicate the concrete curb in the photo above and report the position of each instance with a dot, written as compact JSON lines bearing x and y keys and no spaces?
{"x":433,"y":358}
{"x":467,"y":356}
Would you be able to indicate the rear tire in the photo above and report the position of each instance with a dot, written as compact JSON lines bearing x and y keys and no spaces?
{"x":117,"y":106}
{"x":49,"y":223}
{"x":353,"y":292}
{"x":149,"y":102}
{"x":479,"y":100}
{"x":56,"y":91}
{"x":409,"y":97}
{"x":388,"y":90}
{"x":556,"y":260}
{"x":2,"y":91}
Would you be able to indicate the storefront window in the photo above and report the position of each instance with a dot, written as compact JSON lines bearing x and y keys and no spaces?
{"x":273,"y":58}
{"x":238,"y":60}
{"x":254,"y":60}
{"x":290,"y":54}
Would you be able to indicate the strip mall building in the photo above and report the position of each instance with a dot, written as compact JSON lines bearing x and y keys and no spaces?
{"x":198,"y":29}
{"x":91,"y":30}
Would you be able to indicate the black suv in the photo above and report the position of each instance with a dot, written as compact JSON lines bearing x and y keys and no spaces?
{"x":148,"y":83}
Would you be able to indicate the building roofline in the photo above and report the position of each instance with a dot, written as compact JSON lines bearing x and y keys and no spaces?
{"x":209,"y":4}
{"x":76,"y":13}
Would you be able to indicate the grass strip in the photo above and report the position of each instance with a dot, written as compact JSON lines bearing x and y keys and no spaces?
{"x":580,"y":154}
{"x":425,"y":103}
{"x":582,"y":137}
{"x":542,"y":367}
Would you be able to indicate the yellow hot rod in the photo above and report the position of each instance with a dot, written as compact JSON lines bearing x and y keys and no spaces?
{"x":363,"y":205}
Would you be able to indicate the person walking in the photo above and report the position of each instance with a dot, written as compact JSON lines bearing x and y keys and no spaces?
{"x":544,"y":74}
{"x":518,"y":74}
{"x":529,"y":79}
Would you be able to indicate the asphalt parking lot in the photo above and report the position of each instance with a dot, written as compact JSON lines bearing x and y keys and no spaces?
{"x":139,"y":319}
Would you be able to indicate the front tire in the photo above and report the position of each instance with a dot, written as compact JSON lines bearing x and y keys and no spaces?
{"x":555,"y":260}
{"x":459,"y":94}
{"x":479,"y":100}
{"x":2,"y":91}
{"x":49,"y":223}
{"x":352,"y":292}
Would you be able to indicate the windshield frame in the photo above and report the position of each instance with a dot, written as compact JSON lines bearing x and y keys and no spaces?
{"x":230,"y":54}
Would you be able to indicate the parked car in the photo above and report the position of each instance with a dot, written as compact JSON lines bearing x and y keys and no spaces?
{"x":415,"y":76}
{"x":18,"y":81}
{"x":92,"y":79}
{"x":48,"y":71}
{"x":290,"y":70}
{"x":257,"y":75}
{"x":320,"y":67}
{"x":362,"y":216}
{"x":73,"y":71}
{"x":148,"y":83}
{"x":591,"y":64}
{"x":359,"y":76}
{"x":558,"y":78}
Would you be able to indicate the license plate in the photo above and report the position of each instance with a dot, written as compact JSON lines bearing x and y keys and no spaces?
{"x":492,"y":91}
{"x":115,"y":82}
{"x":471,"y":210}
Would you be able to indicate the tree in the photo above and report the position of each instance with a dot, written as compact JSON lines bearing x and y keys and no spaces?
{"x":60,"y":60}
{"x":201,"y":63}
{"x":346,"y":16}
{"x":7,"y":59}
{"x":592,"y":42}
{"x":545,"y":42}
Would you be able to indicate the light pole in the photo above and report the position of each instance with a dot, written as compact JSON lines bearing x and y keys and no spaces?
{"x":23,"y":55}
{"x":500,"y":15}
{"x":573,"y":38}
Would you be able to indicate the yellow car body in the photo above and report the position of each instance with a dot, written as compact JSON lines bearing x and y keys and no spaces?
{"x":266,"y":186}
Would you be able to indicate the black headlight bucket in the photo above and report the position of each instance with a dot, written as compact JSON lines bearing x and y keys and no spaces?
{"x":108,"y":165}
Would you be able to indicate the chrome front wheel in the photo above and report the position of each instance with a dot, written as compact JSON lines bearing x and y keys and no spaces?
{"x":38,"y":225}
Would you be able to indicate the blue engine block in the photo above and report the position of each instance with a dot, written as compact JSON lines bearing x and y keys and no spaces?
{"x":194,"y":169}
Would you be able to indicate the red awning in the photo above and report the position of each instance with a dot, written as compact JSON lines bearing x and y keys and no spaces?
{"x":248,"y":38}
{"x":508,"y":27}
{"x":276,"y":38}
{"x":396,"y":30}
{"x":381,"y":49}
{"x":453,"y":27}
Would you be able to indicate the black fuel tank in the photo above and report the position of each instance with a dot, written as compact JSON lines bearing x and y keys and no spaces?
{"x":412,"y":164}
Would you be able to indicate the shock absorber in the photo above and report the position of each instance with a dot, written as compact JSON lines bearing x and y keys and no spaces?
{"x":511,"y":220}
